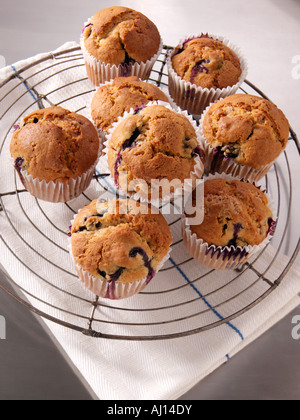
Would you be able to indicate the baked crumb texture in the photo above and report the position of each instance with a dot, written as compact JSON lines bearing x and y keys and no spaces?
{"x":119,"y":35}
{"x":54,"y":144}
{"x":248,"y":129}
{"x":113,"y":99}
{"x":207,"y":63}
{"x":237,"y":214}
{"x":117,"y":245}
{"x":156,"y":143}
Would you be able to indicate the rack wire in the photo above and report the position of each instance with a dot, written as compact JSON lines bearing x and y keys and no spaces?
{"x":183,"y":305}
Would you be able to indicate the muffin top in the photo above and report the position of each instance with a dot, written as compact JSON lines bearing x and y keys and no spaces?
{"x":54,"y":144}
{"x":119,"y":35}
{"x":249,"y":129}
{"x":207,"y":63}
{"x":236,"y":213}
{"x":122,"y":94}
{"x":115,"y":241}
{"x":154,"y":144}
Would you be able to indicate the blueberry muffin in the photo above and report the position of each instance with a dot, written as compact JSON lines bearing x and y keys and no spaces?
{"x":243,"y":134}
{"x":203,"y":69}
{"x":113,"y":99}
{"x":55,"y":152}
{"x":121,"y":37}
{"x":207,"y":62}
{"x":237,"y":220}
{"x":155,"y":143}
{"x":118,"y":247}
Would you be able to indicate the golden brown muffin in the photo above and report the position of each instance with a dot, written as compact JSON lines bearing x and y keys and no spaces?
{"x":207,"y":63}
{"x":154,"y":144}
{"x":54,"y":144}
{"x":114,"y":241}
{"x":236,"y":213}
{"x":112,"y":100}
{"x":119,"y":35}
{"x":248,"y":129}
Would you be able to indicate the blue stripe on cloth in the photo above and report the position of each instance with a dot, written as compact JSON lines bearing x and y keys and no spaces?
{"x":106,"y":182}
{"x":205,"y":300}
{"x":25,"y":84}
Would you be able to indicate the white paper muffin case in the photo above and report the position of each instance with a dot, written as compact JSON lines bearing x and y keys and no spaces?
{"x":216,"y":162}
{"x":99,"y":72}
{"x":57,"y":192}
{"x":115,"y":290}
{"x":223,"y":258}
{"x":193,"y":98}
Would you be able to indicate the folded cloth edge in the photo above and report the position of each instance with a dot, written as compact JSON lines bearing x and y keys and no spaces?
{"x":7,"y":71}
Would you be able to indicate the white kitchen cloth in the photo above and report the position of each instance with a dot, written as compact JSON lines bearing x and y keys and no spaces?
{"x":184,"y":297}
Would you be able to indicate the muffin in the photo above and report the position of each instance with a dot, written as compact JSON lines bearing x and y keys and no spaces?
{"x":238,"y":222}
{"x":118,"y":247}
{"x":153,"y":146}
{"x":113,"y":99}
{"x":55,"y":153}
{"x":243,"y":135}
{"x":118,"y":41}
{"x":203,"y":69}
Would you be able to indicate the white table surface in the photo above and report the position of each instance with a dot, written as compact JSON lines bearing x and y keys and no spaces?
{"x":268,"y":32}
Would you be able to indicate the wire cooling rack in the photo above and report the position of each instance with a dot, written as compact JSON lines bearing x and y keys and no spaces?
{"x":179,"y":306}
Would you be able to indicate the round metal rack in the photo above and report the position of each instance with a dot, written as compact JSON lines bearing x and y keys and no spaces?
{"x":180,"y":306}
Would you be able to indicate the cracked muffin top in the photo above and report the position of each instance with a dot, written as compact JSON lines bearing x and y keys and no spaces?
{"x":118,"y":35}
{"x":54,"y":144}
{"x":154,"y":144}
{"x":116,"y":242}
{"x":113,"y":99}
{"x":207,"y":63}
{"x":236,"y":213}
{"x":249,"y":129}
